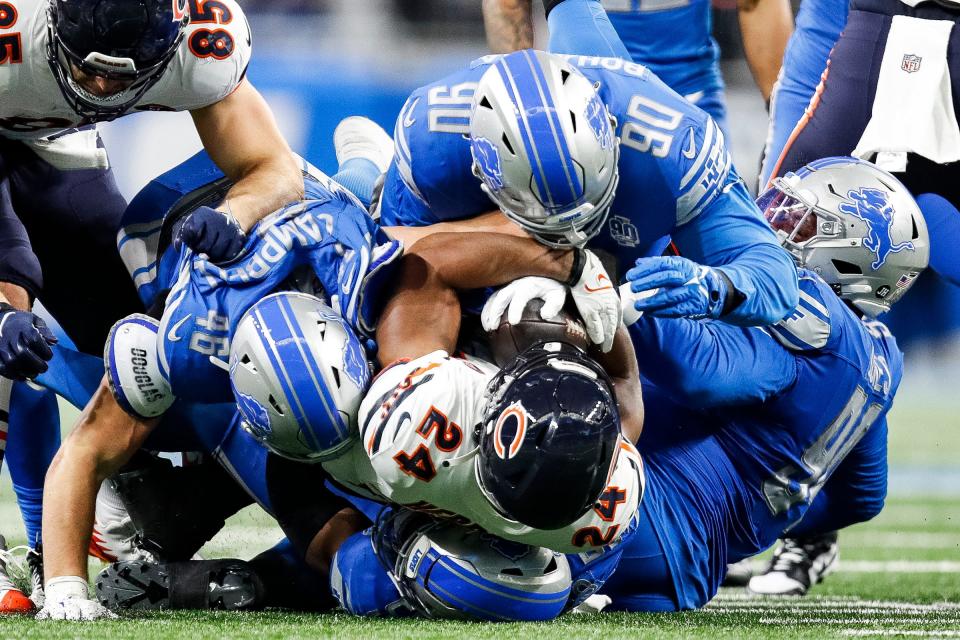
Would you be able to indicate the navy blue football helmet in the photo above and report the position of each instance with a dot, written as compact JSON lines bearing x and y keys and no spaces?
{"x":549,"y":436}
{"x":129,"y":41}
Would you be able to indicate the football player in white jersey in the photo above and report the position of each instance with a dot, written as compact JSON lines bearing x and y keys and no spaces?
{"x":533,"y":453}
{"x":66,"y":65}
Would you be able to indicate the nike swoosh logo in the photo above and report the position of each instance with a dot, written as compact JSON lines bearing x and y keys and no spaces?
{"x":600,"y":285}
{"x":172,"y":333}
{"x":407,"y":120}
{"x":691,"y":151}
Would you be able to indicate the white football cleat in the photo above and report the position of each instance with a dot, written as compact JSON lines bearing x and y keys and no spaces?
{"x":359,"y":137}
{"x":114,"y":537}
{"x":34,"y":560}
{"x":797,"y":564}
{"x":12,"y":599}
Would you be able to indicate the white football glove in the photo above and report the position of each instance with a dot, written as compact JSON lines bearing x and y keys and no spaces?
{"x":597,"y":301}
{"x":67,"y":599}
{"x":514,"y":297}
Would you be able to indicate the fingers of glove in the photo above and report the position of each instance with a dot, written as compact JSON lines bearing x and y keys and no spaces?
{"x":494,"y":308}
{"x":27,"y":362}
{"x":611,"y":325}
{"x":92,"y":610}
{"x":44,"y":331}
{"x":646,"y":266}
{"x":552,"y":303}
{"x":517,"y":304}
{"x":665,"y":299}
{"x":37,"y":343}
{"x":668,"y":278}
{"x":594,"y":326}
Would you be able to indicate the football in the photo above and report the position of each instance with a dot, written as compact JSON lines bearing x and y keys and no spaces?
{"x":507,"y":340}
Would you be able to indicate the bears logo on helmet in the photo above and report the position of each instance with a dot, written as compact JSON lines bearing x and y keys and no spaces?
{"x":509,"y":430}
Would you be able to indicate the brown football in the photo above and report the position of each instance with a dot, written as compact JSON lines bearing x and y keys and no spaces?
{"x":507,"y":340}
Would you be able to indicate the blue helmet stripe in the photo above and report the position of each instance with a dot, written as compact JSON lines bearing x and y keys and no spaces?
{"x":330,"y":406}
{"x":553,"y":170}
{"x":573,"y":178}
{"x":525,"y":134}
{"x":320,"y":410}
{"x":265,"y":310}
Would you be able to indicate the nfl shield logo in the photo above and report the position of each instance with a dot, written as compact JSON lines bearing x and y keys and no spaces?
{"x":910,"y":63}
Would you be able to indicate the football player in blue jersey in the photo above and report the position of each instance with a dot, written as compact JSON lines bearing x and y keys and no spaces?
{"x":672,"y":39}
{"x":328,"y":238}
{"x":622,"y":168}
{"x":735,"y":451}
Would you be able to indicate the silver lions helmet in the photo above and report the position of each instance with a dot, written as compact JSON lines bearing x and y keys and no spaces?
{"x":444,"y":570}
{"x":853,"y":224}
{"x":543,"y":145}
{"x":298,"y":374}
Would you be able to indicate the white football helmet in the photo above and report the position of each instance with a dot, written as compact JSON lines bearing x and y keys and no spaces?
{"x":853,"y":224}
{"x":298,"y":374}
{"x":543,"y":145}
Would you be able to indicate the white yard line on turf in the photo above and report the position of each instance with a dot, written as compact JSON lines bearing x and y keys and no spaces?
{"x":898,"y":566}
{"x":900,"y":540}
{"x":946,"y":633}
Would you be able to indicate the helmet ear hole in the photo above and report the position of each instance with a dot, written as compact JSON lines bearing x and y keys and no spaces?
{"x":846,"y":268}
{"x":336,"y":376}
{"x":573,"y":119}
{"x":506,"y":143}
{"x":916,"y":231}
{"x":512,"y":571}
{"x":564,"y":74}
{"x":276,"y":405}
{"x":485,"y":103}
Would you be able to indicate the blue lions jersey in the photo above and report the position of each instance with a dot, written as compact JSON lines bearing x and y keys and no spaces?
{"x":760,"y":420}
{"x":676,"y":179}
{"x":671,"y":37}
{"x":326,"y":245}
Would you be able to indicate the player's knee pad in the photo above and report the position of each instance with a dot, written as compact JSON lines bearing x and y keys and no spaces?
{"x":359,"y":581}
{"x":133,"y":371}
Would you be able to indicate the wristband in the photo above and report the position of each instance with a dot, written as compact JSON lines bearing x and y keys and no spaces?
{"x":65,"y":588}
{"x":576,"y":272}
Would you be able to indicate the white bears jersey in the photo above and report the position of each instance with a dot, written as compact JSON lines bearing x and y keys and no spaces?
{"x":418,"y":426}
{"x":212,"y":59}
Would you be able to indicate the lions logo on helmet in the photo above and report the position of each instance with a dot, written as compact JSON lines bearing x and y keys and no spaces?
{"x":487,"y":160}
{"x":509,"y":430}
{"x":874,"y":208}
{"x":596,"y":116}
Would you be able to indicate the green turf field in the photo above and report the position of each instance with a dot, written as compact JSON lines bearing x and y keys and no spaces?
{"x":899,"y":575}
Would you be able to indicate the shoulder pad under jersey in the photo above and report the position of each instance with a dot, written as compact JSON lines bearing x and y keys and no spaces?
{"x":210,"y":63}
{"x":810,"y":325}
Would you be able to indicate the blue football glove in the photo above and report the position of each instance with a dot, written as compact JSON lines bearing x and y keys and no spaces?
{"x":214,"y":233}
{"x":24,"y":343}
{"x":686,"y":289}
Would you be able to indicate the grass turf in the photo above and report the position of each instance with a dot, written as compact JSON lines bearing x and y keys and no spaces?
{"x":899,"y":576}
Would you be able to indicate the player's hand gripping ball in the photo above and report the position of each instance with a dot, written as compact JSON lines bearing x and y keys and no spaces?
{"x":530,"y":320}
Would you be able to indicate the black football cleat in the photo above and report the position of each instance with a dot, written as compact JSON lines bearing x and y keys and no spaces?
{"x":230,"y":585}
{"x":797,"y":564}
